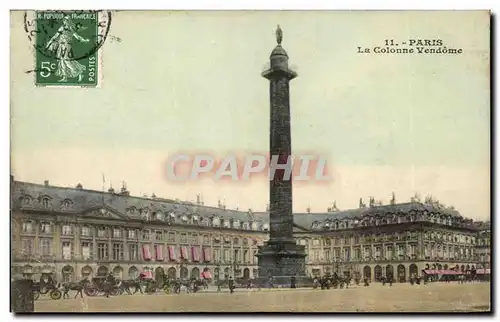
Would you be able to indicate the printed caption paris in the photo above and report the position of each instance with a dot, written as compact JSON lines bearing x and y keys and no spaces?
{"x":411,"y":46}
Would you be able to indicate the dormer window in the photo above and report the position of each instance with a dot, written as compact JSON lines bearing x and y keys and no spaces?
{"x":216,"y":222}
{"x":45,"y":202}
{"x":265,"y":227}
{"x":346,"y":224}
{"x":159,"y":215}
{"x":195,"y":219}
{"x":337,"y":225}
{"x":66,"y":204}
{"x":236,"y":224}
{"x":226,"y":224}
{"x":184,"y":218}
{"x":245,"y":225}
{"x":255,"y":226}
{"x":26,"y":200}
{"x":131,"y":210}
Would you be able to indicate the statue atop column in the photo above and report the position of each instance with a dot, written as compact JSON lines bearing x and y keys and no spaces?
{"x":279,"y":35}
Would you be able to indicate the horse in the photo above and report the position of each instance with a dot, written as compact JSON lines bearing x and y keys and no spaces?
{"x":74,"y":286}
{"x":127,"y":284}
{"x":199,"y":284}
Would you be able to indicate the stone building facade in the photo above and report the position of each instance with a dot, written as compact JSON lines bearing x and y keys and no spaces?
{"x":397,"y":239}
{"x":73,"y":232}
{"x":483,"y":245}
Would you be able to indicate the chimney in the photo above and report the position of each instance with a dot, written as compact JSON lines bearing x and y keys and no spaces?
{"x":46,"y":183}
{"x":79,"y":186}
{"x":123,"y":190}
{"x":198,"y":199}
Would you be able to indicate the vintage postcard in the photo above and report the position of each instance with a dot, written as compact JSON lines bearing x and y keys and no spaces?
{"x":250,"y":161}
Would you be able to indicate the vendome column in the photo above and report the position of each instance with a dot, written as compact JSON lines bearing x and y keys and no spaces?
{"x":281,"y":258}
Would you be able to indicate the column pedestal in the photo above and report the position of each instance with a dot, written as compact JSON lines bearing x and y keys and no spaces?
{"x":282,"y":261}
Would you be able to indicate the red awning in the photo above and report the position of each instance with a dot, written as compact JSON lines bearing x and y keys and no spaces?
{"x":206,"y":254}
{"x":171,"y":253}
{"x":147,"y":274}
{"x":206,"y":275}
{"x":159,"y":252}
{"x":184,"y":253}
{"x":195,"y":255}
{"x":145,"y":252}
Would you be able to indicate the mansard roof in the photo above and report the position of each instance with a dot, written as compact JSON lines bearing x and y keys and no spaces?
{"x":306,"y":219}
{"x":84,"y":199}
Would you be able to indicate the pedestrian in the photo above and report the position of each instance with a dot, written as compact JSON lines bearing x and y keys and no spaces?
{"x":231,"y":285}
{"x":292,"y":282}
{"x":108,"y":283}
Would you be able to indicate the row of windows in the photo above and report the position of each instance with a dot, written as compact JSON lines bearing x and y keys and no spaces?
{"x":347,"y":240}
{"x":147,"y":214}
{"x":387,"y":220}
{"x":388,"y":253}
{"x":117,"y":252}
{"x":194,"y":219}
{"x":159,"y":235}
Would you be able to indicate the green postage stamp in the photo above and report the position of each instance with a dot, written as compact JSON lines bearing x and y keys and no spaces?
{"x":67,"y":46}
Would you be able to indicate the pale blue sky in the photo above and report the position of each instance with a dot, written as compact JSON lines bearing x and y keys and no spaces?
{"x":192,"y":81}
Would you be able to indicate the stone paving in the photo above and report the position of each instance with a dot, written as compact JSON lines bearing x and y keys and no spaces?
{"x":434,"y":297}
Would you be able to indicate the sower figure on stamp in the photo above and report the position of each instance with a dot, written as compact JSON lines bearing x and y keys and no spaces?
{"x":61,"y":45}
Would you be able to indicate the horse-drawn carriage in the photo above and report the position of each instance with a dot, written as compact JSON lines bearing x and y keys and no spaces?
{"x":39,"y":288}
{"x":99,"y":284}
{"x":45,"y":285}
